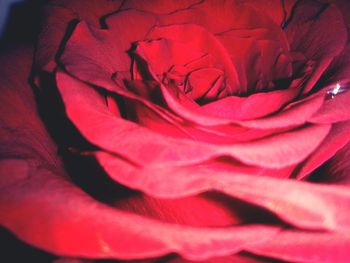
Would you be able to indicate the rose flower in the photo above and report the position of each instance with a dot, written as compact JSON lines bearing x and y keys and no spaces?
{"x":180,"y":131}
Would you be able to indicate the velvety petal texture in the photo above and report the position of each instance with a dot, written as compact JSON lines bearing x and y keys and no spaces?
{"x":180,"y":131}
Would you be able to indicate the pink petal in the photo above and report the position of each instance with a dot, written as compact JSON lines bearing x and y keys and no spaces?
{"x":243,"y":108}
{"x":171,"y":125}
{"x":336,"y":170}
{"x":42,"y":207}
{"x":295,"y":114}
{"x":87,"y":109}
{"x":334,"y":109}
{"x":301,"y":204}
{"x":337,"y":138}
{"x":69,"y":222}
{"x":203,"y":210}
{"x":299,"y":246}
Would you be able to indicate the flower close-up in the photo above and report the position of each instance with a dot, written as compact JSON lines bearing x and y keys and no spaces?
{"x":179,"y":131}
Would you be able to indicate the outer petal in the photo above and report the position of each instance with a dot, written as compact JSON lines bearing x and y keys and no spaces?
{"x":108,"y":48}
{"x":302,"y":204}
{"x":159,"y":6}
{"x":60,"y":15}
{"x":337,"y":138}
{"x":317,"y":30}
{"x":278,"y":10}
{"x":336,"y":170}
{"x":334,"y":109}
{"x":69,"y":222}
{"x":44,"y":208}
{"x":298,"y":246}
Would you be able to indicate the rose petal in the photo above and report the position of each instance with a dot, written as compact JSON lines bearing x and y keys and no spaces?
{"x":60,"y":15}
{"x":162,"y":54}
{"x":99,"y":70}
{"x":256,"y":54}
{"x":159,"y":6}
{"x":318,"y":31}
{"x":278,"y":10}
{"x":79,"y":226}
{"x":41,"y":206}
{"x":203,"y":210}
{"x":201,"y":40}
{"x":170,"y":125}
{"x":243,"y":108}
{"x":233,"y":15}
{"x":302,"y":204}
{"x":81,"y":100}
{"x":296,"y":114}
{"x":337,"y":138}
{"x":339,"y":70}
{"x":105,"y":51}
{"x":299,"y":246}
{"x":337,"y":168}
{"x":333,"y":110}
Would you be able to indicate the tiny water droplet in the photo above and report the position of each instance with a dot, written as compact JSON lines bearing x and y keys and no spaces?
{"x":335,"y":90}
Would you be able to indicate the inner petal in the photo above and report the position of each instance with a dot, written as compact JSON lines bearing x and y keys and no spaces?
{"x":202,"y":40}
{"x":205,"y":85}
{"x":262,"y":61}
{"x":161,"y":55}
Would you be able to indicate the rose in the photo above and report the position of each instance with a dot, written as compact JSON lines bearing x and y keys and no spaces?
{"x":172,"y":131}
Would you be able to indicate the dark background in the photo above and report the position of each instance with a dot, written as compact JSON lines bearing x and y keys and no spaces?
{"x":19,"y":24}
{"x":19,"y":21}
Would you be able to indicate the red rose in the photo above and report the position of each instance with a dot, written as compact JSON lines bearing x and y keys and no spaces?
{"x":223,"y":124}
